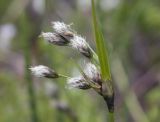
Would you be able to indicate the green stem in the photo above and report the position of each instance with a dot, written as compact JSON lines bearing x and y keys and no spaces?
{"x":32,"y":99}
{"x":64,"y":76}
{"x":110,"y":117}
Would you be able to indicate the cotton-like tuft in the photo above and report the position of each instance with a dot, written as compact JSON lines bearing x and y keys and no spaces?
{"x":92,"y":72}
{"x":80,"y":44}
{"x":54,"y":38}
{"x":61,"y":27}
{"x":77,"y":82}
{"x":43,"y":71}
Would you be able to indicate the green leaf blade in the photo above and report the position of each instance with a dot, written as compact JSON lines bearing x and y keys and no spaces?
{"x":100,"y":45}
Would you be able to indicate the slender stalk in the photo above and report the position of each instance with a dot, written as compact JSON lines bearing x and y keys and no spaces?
{"x":32,"y":99}
{"x":95,"y":56}
{"x":64,"y":76}
{"x":110,"y":117}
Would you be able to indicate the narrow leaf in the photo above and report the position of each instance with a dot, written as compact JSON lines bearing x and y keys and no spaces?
{"x":100,"y":45}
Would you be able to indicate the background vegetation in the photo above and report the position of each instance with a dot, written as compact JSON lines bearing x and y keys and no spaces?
{"x":132,"y":31}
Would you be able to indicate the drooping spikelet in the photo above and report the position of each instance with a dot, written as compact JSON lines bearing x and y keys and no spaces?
{"x":43,"y":71}
{"x":80,"y":44}
{"x":61,"y":27}
{"x":92,"y":72}
{"x":67,"y":36}
{"x":54,"y":38}
{"x":77,"y":82}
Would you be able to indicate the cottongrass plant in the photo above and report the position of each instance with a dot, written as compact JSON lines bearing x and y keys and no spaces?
{"x":90,"y":77}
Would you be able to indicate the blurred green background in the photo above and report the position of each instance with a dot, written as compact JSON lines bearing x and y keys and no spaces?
{"x":132,"y":31}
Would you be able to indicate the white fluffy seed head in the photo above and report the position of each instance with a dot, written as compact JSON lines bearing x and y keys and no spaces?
{"x":54,"y":38}
{"x":65,"y":36}
{"x":80,"y":44}
{"x":48,"y":36}
{"x":40,"y":70}
{"x":92,"y":72}
{"x":60,"y":27}
{"x":43,"y":71}
{"x":77,"y":82}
